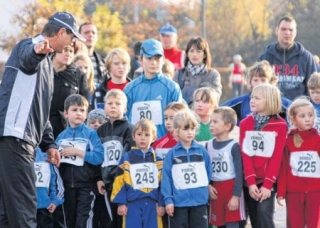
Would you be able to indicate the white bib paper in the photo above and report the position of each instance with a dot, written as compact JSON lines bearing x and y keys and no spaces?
{"x":317,"y":124}
{"x":305,"y":164}
{"x":43,"y":174}
{"x":189,"y":175}
{"x":147,"y":110}
{"x":259,"y":143}
{"x":144,"y":175}
{"x":112,"y":153}
{"x":73,"y":160}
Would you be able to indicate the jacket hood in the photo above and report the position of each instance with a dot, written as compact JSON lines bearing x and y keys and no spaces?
{"x":274,"y":50}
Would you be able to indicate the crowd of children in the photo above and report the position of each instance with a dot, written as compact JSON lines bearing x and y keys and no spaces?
{"x":146,"y":160}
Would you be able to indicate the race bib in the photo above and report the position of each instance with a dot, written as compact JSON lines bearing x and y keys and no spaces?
{"x":259,"y":143}
{"x":162,"y":152}
{"x":237,"y":78}
{"x":43,"y":174}
{"x":112,"y":153}
{"x":305,"y":164}
{"x":189,"y":175}
{"x":147,"y":110}
{"x":222,"y":168}
{"x":73,"y":160}
{"x":144,"y":175}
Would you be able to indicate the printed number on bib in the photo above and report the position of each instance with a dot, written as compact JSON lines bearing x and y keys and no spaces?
{"x":219,"y":166}
{"x":259,"y":143}
{"x":112,"y":152}
{"x":189,"y":175}
{"x":73,"y":160}
{"x":147,"y":110}
{"x":305,"y":164}
{"x":144,"y":175}
{"x":42,"y":170}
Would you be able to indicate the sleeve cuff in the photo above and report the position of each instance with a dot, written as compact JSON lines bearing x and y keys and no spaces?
{"x":267,"y":184}
{"x":251,"y":180}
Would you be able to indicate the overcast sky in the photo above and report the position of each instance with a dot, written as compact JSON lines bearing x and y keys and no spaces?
{"x":7,"y":9}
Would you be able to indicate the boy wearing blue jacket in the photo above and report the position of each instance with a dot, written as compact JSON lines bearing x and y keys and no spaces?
{"x":136,"y":188}
{"x":81,"y":152}
{"x":149,"y":94}
{"x":49,"y":187}
{"x":186,"y":175}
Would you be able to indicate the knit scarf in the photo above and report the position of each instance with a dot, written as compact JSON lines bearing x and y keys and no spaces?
{"x":194,"y":70}
{"x":260,"y":121}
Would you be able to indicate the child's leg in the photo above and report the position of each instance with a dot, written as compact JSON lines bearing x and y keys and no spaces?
{"x":312,"y":209}
{"x":44,"y":219}
{"x":295,"y":210}
{"x":70,"y":202}
{"x":59,"y":217}
{"x":198,"y":216}
{"x":252,"y":207}
{"x":265,"y":212}
{"x":180,"y":218}
{"x":85,"y":204}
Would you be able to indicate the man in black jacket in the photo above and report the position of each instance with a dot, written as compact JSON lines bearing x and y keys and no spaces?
{"x":25,"y":97}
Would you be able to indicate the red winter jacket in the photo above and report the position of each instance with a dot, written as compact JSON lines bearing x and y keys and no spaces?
{"x":263,"y":170}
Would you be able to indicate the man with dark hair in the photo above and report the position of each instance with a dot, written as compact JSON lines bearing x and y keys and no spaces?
{"x":90,"y":32}
{"x":25,"y":97}
{"x":292,"y":63}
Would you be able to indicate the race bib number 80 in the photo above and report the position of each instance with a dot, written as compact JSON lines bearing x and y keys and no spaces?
{"x":147,"y":110}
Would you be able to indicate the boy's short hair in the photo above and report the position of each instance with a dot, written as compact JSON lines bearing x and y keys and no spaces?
{"x":262,"y":69}
{"x":122,"y":55}
{"x":75,"y":99}
{"x":118,"y":94}
{"x":229,"y":116}
{"x":145,"y":125}
{"x":208,"y":94}
{"x":272,"y":95}
{"x":185,"y":119}
{"x":97,"y":114}
{"x":314,"y":81}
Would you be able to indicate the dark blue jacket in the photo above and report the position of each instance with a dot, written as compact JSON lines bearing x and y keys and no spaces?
{"x":25,"y":95}
{"x":293,"y":67}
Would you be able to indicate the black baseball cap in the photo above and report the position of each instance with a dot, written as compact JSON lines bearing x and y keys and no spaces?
{"x":66,"y":20}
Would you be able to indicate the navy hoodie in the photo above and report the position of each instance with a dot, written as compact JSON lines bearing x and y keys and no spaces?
{"x":293,"y":66}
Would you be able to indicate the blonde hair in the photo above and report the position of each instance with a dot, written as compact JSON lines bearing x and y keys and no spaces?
{"x":122,"y":54}
{"x":271,"y":95}
{"x":184,"y":119}
{"x":314,"y":81}
{"x":176,"y":106}
{"x":168,"y":68}
{"x":262,"y":70}
{"x":208,"y":95}
{"x":229,"y":116}
{"x":90,"y":73}
{"x":299,"y":102}
{"x":145,"y":125}
{"x":118,"y":94}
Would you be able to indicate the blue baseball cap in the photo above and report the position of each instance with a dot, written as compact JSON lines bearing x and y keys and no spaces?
{"x":168,"y":30}
{"x":67,"y":21}
{"x":151,"y":48}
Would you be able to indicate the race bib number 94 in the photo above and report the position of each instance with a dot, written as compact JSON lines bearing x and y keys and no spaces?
{"x":305,"y":164}
{"x":259,"y":143}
